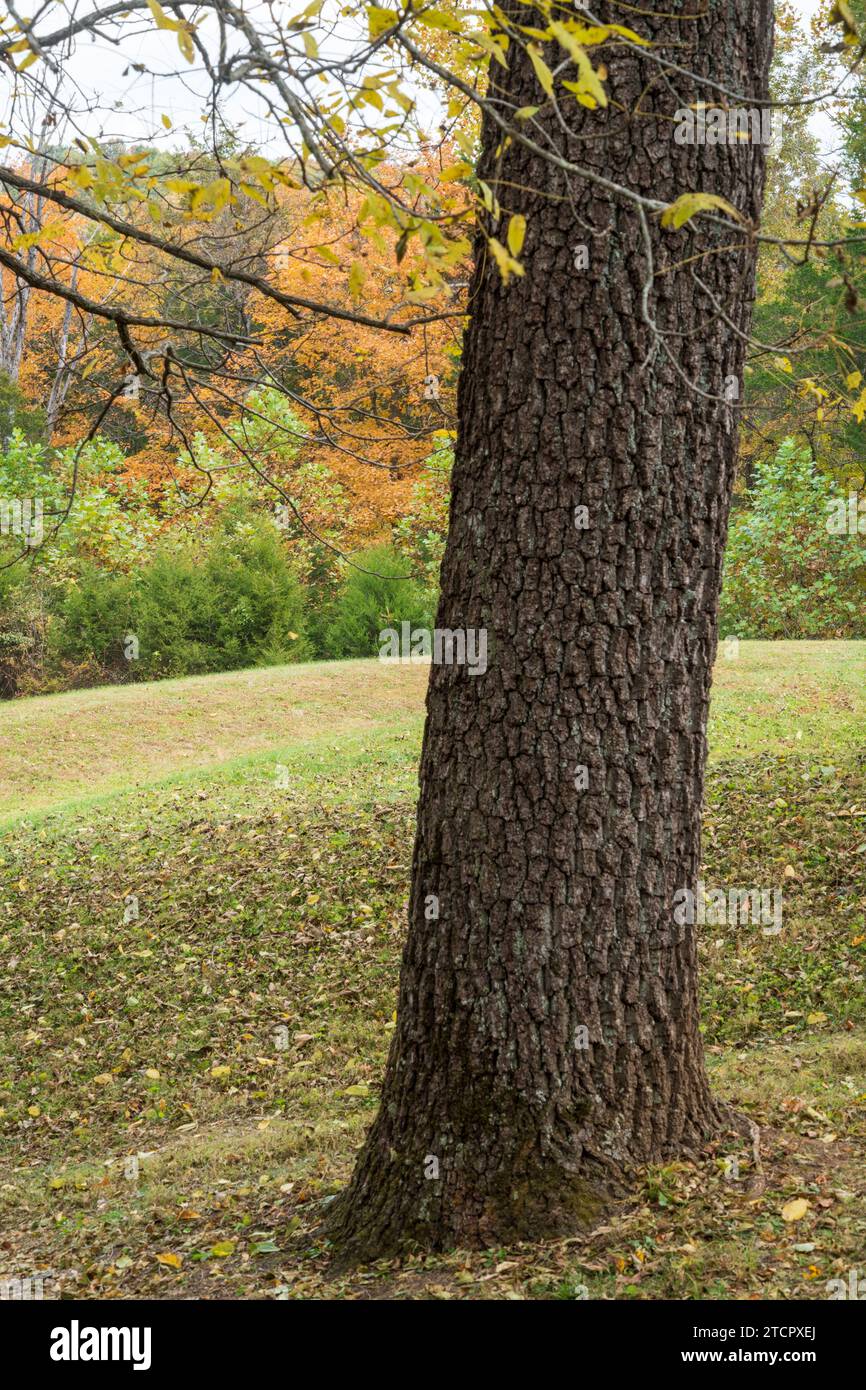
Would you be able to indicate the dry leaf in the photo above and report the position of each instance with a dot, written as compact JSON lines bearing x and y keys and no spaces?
{"x":795,"y":1210}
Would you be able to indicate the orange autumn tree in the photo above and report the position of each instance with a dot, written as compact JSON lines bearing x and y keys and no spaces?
{"x":45,"y":342}
{"x":371,"y":405}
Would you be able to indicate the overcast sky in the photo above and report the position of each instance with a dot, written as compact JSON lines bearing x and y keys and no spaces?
{"x":132,"y":106}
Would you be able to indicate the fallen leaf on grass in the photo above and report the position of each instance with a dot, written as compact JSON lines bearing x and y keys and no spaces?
{"x":795,"y":1210}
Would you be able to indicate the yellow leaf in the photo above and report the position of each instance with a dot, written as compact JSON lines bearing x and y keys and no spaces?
{"x":152,"y":1073}
{"x":219,"y":1072}
{"x":80,"y":176}
{"x":184,"y":41}
{"x":455,"y":171}
{"x":688,"y":204}
{"x":380,"y":20}
{"x":542,"y":71}
{"x":356,"y":280}
{"x":629,"y":34}
{"x":357,"y":1091}
{"x":160,"y":16}
{"x":516,"y":233}
{"x":795,"y":1210}
{"x":852,"y":381}
{"x":173,"y":1261}
{"x":250,"y":192}
{"x":212,"y":197}
{"x":507,"y":265}
{"x":588,"y":88}
{"x":166,"y":120}
{"x":223,"y":1248}
{"x":437,"y":19}
{"x":842,"y":13}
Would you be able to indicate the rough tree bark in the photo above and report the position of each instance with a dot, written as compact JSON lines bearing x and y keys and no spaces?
{"x":555,"y":905}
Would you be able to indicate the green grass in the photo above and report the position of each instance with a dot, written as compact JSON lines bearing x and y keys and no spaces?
{"x":57,"y":750}
{"x":62,"y":751}
{"x":800,"y":697}
{"x":232,"y":1035}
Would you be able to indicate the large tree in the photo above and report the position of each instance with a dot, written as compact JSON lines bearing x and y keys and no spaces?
{"x":547,"y":1027}
{"x":547,"y":1033}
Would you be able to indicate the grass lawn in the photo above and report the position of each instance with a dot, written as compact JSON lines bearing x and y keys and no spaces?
{"x":199,"y":957}
{"x":64,"y":748}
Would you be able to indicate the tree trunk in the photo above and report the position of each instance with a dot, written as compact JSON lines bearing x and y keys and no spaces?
{"x":547,"y":1030}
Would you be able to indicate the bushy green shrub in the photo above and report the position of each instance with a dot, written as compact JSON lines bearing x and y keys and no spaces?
{"x":787,"y":575}
{"x":253,"y":605}
{"x":169,"y":618}
{"x":92,"y":623}
{"x":237,"y":603}
{"x":92,"y":512}
{"x":310,"y":506}
{"x":23,"y":623}
{"x":376,"y":595}
{"x":17,"y":414}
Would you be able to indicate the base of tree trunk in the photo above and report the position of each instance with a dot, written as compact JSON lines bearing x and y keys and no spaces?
{"x":537,"y":1206}
{"x":491,"y":1193}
